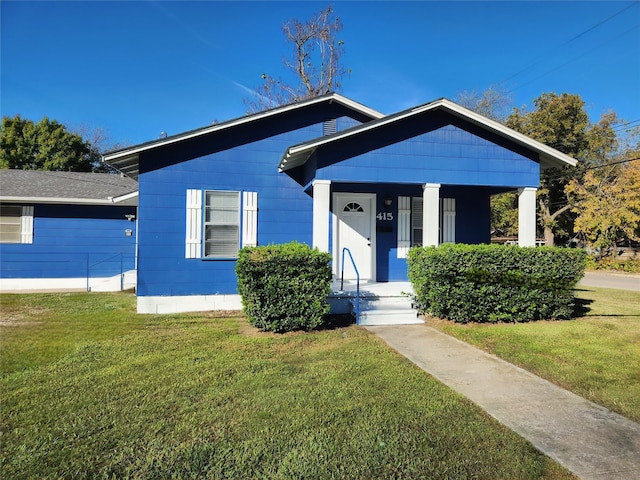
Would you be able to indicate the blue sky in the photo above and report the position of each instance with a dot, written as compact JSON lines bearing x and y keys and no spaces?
{"x":136,"y":69}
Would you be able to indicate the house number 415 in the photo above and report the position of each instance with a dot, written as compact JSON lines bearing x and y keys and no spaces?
{"x":384,"y":216}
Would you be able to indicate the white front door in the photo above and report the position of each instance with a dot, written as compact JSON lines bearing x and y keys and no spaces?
{"x":355,"y":230}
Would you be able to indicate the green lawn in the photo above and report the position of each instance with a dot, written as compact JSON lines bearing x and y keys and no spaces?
{"x":596,"y":355}
{"x":92,"y":390}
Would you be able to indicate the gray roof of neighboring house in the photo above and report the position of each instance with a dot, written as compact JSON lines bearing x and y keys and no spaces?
{"x":37,"y":186}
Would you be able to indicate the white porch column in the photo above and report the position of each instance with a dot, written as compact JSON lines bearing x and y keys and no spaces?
{"x":527,"y":217}
{"x":321,"y":202}
{"x":431,"y":214}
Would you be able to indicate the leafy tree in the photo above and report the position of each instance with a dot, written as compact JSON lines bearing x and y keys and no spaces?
{"x":504,"y":214}
{"x":314,"y":63}
{"x":46,"y":145}
{"x":607,"y":204}
{"x":561,"y":122}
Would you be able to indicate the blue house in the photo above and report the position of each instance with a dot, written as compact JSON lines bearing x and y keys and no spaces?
{"x":328,"y":172}
{"x":67,"y":230}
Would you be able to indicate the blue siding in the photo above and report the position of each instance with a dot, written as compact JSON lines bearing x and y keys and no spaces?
{"x":284,"y":213}
{"x":71,"y":241}
{"x":447,"y":155}
{"x":467,"y":161}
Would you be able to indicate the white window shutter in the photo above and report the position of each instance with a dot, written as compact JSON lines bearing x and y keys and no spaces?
{"x":194,"y":224}
{"x":26,"y":225}
{"x":249,"y":219}
{"x":448,"y":220}
{"x":404,"y":226}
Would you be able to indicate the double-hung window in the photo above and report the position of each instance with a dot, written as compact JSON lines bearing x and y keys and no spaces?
{"x":220,"y":222}
{"x":16,"y":224}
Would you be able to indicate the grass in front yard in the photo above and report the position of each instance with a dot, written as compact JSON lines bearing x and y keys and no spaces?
{"x":596,"y":355}
{"x":198,"y":396}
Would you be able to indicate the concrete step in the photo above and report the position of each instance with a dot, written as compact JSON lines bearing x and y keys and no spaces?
{"x":386,"y":311}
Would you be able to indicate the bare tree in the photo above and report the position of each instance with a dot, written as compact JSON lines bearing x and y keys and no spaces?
{"x":495,"y":102}
{"x":314,"y":63}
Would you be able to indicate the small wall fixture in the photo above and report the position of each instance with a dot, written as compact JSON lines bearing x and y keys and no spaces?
{"x":388,"y":201}
{"x":130,"y":217}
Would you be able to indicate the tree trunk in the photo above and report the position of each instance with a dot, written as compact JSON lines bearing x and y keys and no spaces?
{"x":549,"y":237}
{"x":549,"y":221}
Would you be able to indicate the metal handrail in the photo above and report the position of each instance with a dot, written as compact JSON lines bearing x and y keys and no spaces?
{"x":345,"y":249}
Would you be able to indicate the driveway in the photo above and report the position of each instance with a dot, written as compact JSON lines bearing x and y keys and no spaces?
{"x":620,"y":281}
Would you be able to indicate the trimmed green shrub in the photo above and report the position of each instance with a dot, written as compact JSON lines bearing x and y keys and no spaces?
{"x":491,"y":283}
{"x":284,"y":287}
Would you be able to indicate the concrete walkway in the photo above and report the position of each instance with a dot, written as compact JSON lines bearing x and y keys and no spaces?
{"x":587,"y":439}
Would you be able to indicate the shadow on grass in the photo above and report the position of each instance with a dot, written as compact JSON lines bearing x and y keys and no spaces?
{"x":581,"y":306}
{"x":331,"y":322}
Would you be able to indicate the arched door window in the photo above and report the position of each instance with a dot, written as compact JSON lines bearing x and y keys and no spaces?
{"x":353,"y":207}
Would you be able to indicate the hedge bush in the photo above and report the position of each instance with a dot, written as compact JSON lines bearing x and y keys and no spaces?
{"x":284,"y":287}
{"x":491,"y":283}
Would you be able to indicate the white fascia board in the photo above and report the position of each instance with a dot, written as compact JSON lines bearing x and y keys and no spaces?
{"x":123,"y":198}
{"x":358,"y":106}
{"x":60,"y":200}
{"x":299,"y":154}
{"x":548,"y":152}
{"x":132,"y":153}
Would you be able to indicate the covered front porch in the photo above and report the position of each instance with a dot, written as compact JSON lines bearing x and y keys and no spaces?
{"x":379,"y":222}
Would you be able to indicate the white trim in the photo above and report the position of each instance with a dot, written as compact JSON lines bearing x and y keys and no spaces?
{"x":193,"y":231}
{"x":527,"y":217}
{"x":122,"y":198}
{"x":26,"y":224}
{"x":96,"y":284}
{"x":64,"y":200}
{"x":431,"y":214}
{"x":249,"y":219}
{"x":404,"y":226}
{"x":131,"y":154}
{"x":299,"y":154}
{"x":321,"y":210}
{"x":188,"y":303}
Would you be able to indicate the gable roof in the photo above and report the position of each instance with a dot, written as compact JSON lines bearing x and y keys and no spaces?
{"x":126,"y":160}
{"x":38,"y":186}
{"x":298,"y":154}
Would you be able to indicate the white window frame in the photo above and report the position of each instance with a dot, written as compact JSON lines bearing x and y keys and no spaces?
{"x":25,"y":234}
{"x":198,"y":222}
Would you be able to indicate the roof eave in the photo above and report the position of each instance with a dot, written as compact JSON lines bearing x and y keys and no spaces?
{"x":299,"y":154}
{"x":63,"y":200}
{"x":546,"y":152}
{"x":131,"y":153}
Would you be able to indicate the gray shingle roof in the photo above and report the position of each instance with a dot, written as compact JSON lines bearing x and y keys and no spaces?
{"x":67,"y":187}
